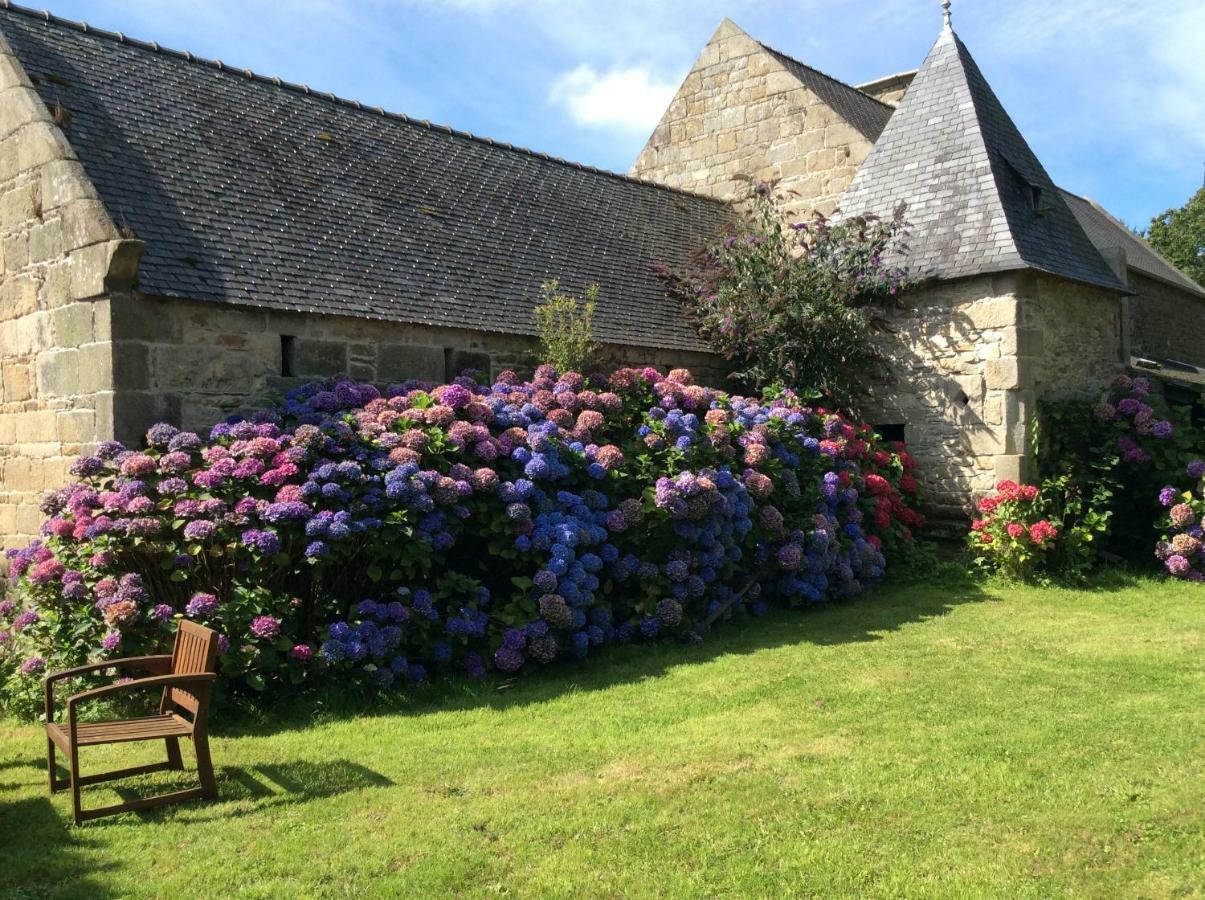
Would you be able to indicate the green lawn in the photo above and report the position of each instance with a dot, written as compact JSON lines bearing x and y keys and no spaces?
{"x":922,"y":741}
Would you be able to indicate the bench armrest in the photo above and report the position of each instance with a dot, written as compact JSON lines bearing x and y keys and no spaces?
{"x":150,"y":663}
{"x":155,"y":681}
{"x":154,"y":664}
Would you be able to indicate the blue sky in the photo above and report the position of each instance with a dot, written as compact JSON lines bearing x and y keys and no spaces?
{"x":1109,"y":93}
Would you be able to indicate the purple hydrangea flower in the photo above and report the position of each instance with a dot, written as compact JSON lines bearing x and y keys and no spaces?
{"x":265,"y":542}
{"x":265,"y":627}
{"x":160,"y":613}
{"x":199,"y":530}
{"x":202,"y":605}
{"x":508,"y":660}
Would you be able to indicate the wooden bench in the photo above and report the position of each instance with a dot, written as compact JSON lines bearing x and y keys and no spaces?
{"x":186,"y":678}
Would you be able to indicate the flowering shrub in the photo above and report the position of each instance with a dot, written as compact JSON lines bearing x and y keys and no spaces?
{"x":1182,"y":547}
{"x":1103,"y":465}
{"x":796,"y":305}
{"x":565,"y":327}
{"x":467,"y":526}
{"x":1014,"y":534}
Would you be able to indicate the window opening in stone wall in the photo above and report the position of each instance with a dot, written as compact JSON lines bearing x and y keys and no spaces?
{"x":890,"y":432}
{"x":288,"y":355}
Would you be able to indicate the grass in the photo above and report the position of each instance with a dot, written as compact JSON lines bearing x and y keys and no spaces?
{"x":955,"y":741}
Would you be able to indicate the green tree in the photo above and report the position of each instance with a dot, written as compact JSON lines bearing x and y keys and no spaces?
{"x":1179,"y":234}
{"x":565,"y":326}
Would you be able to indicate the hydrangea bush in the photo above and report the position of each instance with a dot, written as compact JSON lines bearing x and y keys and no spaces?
{"x":462,"y":527}
{"x":1014,"y":534}
{"x":1182,"y":546}
{"x":1103,"y":465}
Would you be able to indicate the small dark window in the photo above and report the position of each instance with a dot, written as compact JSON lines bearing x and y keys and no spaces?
{"x":1035,"y":197}
{"x":288,"y":355}
{"x":890,"y":432}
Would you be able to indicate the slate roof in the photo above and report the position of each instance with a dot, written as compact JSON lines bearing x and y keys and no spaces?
{"x":977,"y":198}
{"x":868,"y":115}
{"x":250,"y":190}
{"x":1108,"y":233}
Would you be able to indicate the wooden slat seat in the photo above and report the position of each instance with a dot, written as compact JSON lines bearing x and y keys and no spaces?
{"x":116,"y":732}
{"x":185,"y":679}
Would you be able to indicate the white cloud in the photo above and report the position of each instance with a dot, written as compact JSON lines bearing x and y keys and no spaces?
{"x":629,"y":99}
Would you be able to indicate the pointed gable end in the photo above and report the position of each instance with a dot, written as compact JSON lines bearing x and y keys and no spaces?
{"x":977,"y":198}
{"x":747,"y":112}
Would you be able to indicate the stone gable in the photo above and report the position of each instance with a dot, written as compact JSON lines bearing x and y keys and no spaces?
{"x":741,"y":115}
{"x":63,"y":259}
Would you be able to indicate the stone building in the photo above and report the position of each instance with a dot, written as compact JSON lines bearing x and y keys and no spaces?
{"x":181,"y":240}
{"x":1033,"y":292}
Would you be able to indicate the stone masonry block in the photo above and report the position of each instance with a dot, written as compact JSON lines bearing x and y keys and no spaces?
{"x":841,"y":135}
{"x":19,"y":105}
{"x":63,"y":181}
{"x":780,"y":82}
{"x":31,"y":146}
{"x":131,"y":366}
{"x":1002,"y":374}
{"x":46,"y":241}
{"x":72,"y":325}
{"x":200,"y":368}
{"x":103,"y":265}
{"x":77,"y":426}
{"x":16,"y":251}
{"x":86,"y":222}
{"x":18,"y":296}
{"x":59,"y":373}
{"x":996,"y":313}
{"x":316,"y":358}
{"x":19,"y":205}
{"x":1011,"y":466}
{"x":399,"y":362}
{"x":18,"y":382}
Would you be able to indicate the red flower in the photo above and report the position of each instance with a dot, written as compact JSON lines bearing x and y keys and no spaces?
{"x":1015,"y":530}
{"x":1042,"y":531}
{"x":878,"y":485}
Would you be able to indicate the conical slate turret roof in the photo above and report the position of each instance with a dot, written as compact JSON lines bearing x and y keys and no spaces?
{"x":977,"y":198}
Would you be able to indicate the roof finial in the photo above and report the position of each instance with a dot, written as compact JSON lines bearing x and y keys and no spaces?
{"x":945,"y":13}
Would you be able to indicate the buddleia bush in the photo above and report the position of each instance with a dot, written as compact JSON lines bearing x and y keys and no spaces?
{"x":384,"y":538}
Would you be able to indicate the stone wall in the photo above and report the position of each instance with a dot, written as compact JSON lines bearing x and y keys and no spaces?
{"x":1165,"y":322}
{"x":62,"y":259}
{"x":739,"y":115}
{"x":193,"y":363}
{"x":890,"y":89}
{"x":972,"y":359}
{"x":1076,"y":342}
{"x":956,"y":387}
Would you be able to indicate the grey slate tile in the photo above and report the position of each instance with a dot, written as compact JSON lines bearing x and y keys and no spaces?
{"x":970,"y":200}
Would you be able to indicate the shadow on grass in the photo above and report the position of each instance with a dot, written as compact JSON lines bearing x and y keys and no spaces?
{"x":44,"y":855}
{"x":866,"y":618}
{"x":249,"y":790}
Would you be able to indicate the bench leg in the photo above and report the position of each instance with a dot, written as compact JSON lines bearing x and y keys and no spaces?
{"x":75,"y":786}
{"x":209,"y":785}
{"x":50,"y":766}
{"x":174,"y":760}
